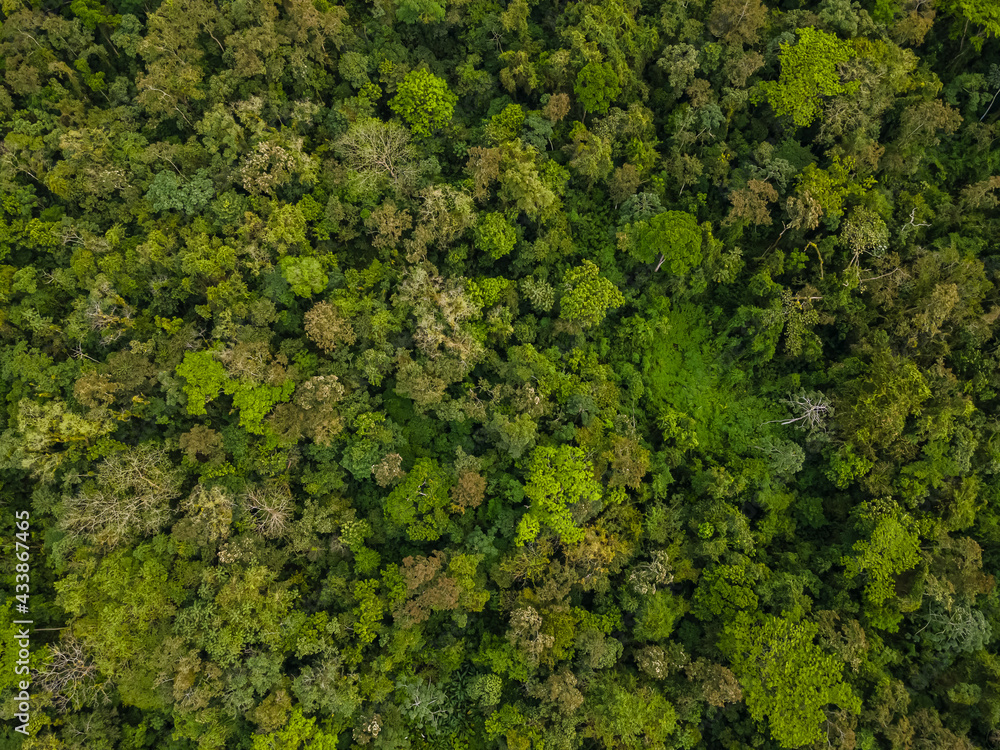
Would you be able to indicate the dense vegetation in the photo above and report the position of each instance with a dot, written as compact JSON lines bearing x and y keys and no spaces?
{"x":540,"y":374}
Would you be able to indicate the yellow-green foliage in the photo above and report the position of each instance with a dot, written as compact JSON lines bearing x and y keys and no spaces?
{"x":785,"y":677}
{"x":424,"y":102}
{"x":587,"y":296}
{"x":809,"y":72}
{"x":557,"y":478}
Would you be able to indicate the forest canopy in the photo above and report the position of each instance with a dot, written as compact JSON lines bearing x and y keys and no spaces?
{"x":500,"y":374}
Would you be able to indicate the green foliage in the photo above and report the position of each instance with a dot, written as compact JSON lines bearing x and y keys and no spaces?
{"x":304,"y":275}
{"x":169,"y":192}
{"x":126,"y":587}
{"x":300,"y":733}
{"x":698,"y":403}
{"x":673,"y":235}
{"x":93,"y":14}
{"x":361,"y":397}
{"x":631,"y":717}
{"x":597,"y":85}
{"x":982,"y":13}
{"x":422,"y":11}
{"x":420,"y":501}
{"x":486,"y":292}
{"x":846,"y":466}
{"x":587,"y":296}
{"x":424,"y":102}
{"x":785,"y":677}
{"x":809,"y":72}
{"x":557,"y":479}
{"x":829,"y":188}
{"x":505,"y":126}
{"x":892,"y":548}
{"x":724,"y":592}
{"x":658,"y":617}
{"x":369,"y":611}
{"x":204,"y":378}
{"x":881,"y":400}
{"x":495,"y":236}
{"x":254,"y":402}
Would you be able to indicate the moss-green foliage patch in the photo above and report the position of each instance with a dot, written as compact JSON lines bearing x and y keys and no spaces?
{"x":685,"y":371}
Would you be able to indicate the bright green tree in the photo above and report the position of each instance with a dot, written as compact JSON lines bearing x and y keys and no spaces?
{"x":597,"y":86}
{"x":659,"y":615}
{"x":786,"y":678}
{"x":298,"y":734}
{"x":424,"y":102}
{"x":983,"y":13}
{"x":875,"y":407}
{"x":495,"y":235}
{"x":892,"y":548}
{"x":723,"y":592}
{"x":419,"y":502}
{"x":204,"y":378}
{"x":558,"y":477}
{"x":628,"y":716}
{"x":808,"y":73}
{"x":420,"y":11}
{"x":673,"y":236}
{"x":587,"y":296}
{"x":304,"y":275}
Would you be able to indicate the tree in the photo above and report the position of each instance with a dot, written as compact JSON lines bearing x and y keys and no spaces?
{"x":424,"y":102}
{"x":629,"y":463}
{"x":298,"y":734}
{"x":864,"y":232}
{"x":658,"y":616}
{"x":785,"y":677}
{"x":378,"y":153}
{"x":625,"y":716}
{"x":597,"y":86}
{"x":874,"y":407}
{"x":495,"y":236}
{"x":305,"y":276}
{"x":623,"y":183}
{"x":131,"y":497}
{"x":557,"y":479}
{"x":167,"y":192}
{"x":41,"y":428}
{"x":204,"y":379}
{"x":737,"y":22}
{"x":673,"y":235}
{"x":809,"y":72}
{"x":327,"y":325}
{"x":982,"y":13}
{"x":892,"y":548}
{"x":208,"y":514}
{"x":812,"y":410}
{"x":435,"y":584}
{"x":484,"y":165}
{"x":420,"y":501}
{"x":125,"y":587}
{"x":528,"y":183}
{"x":724,"y":592}
{"x":587,"y":296}
{"x":71,"y":676}
{"x":751,"y":203}
{"x":172,"y":53}
{"x":423,"y":11}
{"x":590,"y":155}
{"x":718,"y":684}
